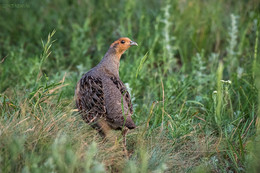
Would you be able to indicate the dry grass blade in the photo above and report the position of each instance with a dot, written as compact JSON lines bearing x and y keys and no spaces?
{"x":3,"y":59}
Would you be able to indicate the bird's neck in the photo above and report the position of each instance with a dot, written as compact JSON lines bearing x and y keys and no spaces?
{"x":111,"y":61}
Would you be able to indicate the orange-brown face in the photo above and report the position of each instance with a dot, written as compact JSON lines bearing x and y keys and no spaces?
{"x":122,"y":44}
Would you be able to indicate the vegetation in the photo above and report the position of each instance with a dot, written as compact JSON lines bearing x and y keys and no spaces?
{"x":194,"y":81}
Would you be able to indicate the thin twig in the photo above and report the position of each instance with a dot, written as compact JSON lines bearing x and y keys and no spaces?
{"x":236,"y":128}
{"x":162,"y":106}
{"x":247,"y":128}
{"x":3,"y":59}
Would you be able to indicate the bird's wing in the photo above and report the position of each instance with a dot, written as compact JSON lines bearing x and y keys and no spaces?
{"x":90,"y":98}
{"x":123,"y":90}
{"x":118,"y":103}
{"x":115,"y":115}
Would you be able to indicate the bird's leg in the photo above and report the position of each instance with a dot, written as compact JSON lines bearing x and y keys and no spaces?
{"x":124,"y":132}
{"x":103,"y":129}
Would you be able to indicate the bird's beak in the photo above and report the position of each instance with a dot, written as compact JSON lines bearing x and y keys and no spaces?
{"x":132,"y":43}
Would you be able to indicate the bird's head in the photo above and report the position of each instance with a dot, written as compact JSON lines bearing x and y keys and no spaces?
{"x":122,"y":44}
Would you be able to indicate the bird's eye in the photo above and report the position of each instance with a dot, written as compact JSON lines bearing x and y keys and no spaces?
{"x":122,"y":41}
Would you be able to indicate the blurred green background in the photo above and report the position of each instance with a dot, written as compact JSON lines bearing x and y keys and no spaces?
{"x":193,"y":79}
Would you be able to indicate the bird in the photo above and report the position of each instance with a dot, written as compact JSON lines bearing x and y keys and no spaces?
{"x":102,"y":98}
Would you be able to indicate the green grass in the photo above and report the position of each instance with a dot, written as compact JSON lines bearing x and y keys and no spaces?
{"x":194,"y":81}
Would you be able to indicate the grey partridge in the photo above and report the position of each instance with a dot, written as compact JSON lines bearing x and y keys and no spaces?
{"x":101,"y":97}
